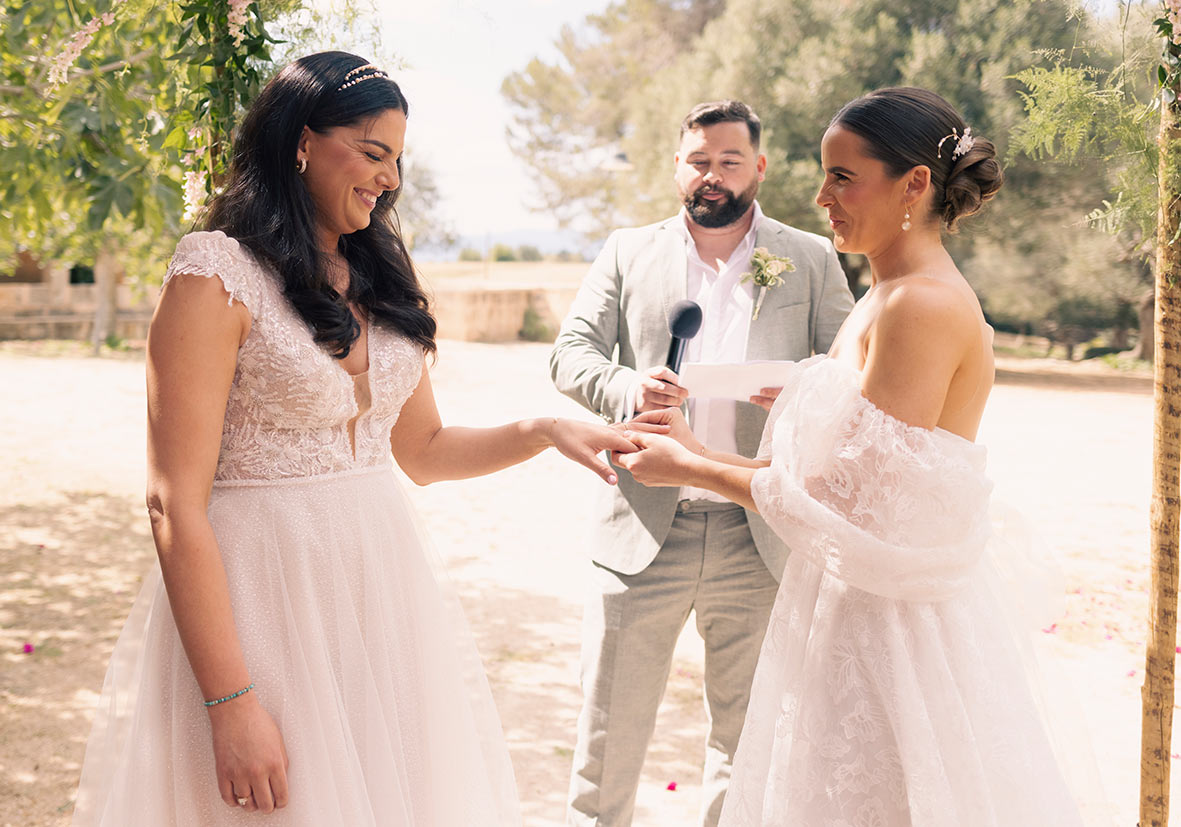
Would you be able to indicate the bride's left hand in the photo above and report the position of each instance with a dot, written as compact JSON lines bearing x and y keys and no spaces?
{"x":583,"y":442}
{"x":660,"y":462}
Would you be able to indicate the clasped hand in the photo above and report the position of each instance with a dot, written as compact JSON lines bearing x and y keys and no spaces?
{"x":665,"y":448}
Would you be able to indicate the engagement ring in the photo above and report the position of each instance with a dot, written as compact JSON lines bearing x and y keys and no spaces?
{"x":242,"y":801}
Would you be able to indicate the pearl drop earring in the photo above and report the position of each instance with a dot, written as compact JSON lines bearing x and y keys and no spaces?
{"x":906,"y":221}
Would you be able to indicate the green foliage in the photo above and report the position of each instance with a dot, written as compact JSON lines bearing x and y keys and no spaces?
{"x":1107,"y":116}
{"x":502,"y":252}
{"x":796,"y":62}
{"x":533,"y":328}
{"x":527,"y":252}
{"x":469,"y":254}
{"x":145,"y":117}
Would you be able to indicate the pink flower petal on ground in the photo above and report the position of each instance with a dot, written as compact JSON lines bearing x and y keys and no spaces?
{"x":27,"y":648}
{"x":1107,"y":637}
{"x":1131,"y":673}
{"x":672,"y":786}
{"x":1051,"y":629}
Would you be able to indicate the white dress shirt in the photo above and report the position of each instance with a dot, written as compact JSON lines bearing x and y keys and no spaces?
{"x":727,"y":305}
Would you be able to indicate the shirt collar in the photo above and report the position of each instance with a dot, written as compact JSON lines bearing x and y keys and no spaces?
{"x":748,"y":241}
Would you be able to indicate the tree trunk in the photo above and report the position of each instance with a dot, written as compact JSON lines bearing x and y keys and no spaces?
{"x":106,"y":288}
{"x":1147,"y":310}
{"x":1158,"y":692}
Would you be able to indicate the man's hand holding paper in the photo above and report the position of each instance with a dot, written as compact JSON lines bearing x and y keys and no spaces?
{"x":757,"y":382}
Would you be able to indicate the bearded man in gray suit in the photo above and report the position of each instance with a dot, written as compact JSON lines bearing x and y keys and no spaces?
{"x":662,"y":553}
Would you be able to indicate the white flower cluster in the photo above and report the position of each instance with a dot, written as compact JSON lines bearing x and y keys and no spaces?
{"x":1173,"y":9}
{"x":194,"y":193}
{"x":237,"y":19}
{"x":195,"y":180}
{"x":59,"y":67}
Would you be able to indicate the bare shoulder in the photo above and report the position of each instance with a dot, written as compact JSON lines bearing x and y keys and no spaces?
{"x":925,"y":306}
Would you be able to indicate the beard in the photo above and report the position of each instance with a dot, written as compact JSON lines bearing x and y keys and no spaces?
{"x":720,"y":213}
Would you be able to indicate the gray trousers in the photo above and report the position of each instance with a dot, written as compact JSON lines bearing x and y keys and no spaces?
{"x":708,"y":565}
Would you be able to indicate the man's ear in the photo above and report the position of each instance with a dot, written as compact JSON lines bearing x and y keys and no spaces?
{"x":761,"y":167}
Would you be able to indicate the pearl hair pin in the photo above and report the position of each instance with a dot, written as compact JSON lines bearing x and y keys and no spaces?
{"x":963,"y":143}
{"x":349,"y":80}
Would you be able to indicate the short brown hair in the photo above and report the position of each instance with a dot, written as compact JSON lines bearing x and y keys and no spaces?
{"x":723,"y":111}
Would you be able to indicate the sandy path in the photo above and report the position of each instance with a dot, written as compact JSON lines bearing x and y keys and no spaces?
{"x":74,"y":543}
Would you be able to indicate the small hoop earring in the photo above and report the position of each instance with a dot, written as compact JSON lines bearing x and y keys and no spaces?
{"x":906,"y":221}
{"x":301,"y":166}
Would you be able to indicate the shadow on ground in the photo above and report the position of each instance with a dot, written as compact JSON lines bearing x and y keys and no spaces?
{"x":535,"y":683}
{"x":70,"y":573}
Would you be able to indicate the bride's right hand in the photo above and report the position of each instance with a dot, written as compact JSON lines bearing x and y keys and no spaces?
{"x":249,"y":755}
{"x":668,"y":421}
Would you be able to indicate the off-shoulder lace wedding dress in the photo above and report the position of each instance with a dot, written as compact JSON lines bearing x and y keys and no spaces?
{"x":889,"y":691}
{"x":357,"y":651}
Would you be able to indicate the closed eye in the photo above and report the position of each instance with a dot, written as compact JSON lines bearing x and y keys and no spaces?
{"x":373,"y":157}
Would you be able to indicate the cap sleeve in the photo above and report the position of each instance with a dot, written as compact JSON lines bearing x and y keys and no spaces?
{"x":212,"y":254}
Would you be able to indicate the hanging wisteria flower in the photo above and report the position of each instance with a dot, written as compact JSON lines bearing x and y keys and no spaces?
{"x":194,"y":193}
{"x":237,"y":19}
{"x":1174,"y":13}
{"x":59,"y":67}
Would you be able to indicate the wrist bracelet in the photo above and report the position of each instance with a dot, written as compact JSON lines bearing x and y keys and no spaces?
{"x":229,"y":697}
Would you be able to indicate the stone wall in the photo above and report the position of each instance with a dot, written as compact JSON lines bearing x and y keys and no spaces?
{"x":58,"y":310}
{"x":469,"y":312}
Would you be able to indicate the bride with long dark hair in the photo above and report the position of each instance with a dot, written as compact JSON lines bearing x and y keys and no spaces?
{"x":294,"y":653}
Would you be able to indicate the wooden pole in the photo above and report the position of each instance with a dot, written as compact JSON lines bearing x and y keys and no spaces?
{"x":1159,"y":691}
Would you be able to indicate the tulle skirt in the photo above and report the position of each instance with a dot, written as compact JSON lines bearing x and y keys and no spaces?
{"x":357,"y":650}
{"x":876,"y":712}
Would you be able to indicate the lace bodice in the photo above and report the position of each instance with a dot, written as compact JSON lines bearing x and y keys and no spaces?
{"x":291,"y":403}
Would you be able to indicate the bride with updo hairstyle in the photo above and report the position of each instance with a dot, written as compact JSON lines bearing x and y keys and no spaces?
{"x":892,"y":687}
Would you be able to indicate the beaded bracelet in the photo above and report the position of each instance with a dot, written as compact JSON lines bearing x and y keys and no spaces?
{"x":229,"y":697}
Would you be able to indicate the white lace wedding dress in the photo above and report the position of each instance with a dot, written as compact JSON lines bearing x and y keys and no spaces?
{"x":889,"y":691}
{"x":356,"y":650}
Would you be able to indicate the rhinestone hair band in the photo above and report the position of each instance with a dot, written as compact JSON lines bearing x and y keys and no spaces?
{"x":963,"y":143}
{"x":360,"y":72}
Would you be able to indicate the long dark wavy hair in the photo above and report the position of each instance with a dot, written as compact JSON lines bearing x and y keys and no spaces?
{"x":266,"y":206}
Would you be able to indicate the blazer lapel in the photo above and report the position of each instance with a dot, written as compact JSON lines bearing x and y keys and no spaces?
{"x":763,"y":335}
{"x":674,"y":266}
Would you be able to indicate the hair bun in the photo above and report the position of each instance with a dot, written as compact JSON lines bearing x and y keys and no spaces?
{"x":974,"y":179}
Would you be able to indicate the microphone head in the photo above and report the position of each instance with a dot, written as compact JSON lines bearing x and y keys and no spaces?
{"x":684,"y":320}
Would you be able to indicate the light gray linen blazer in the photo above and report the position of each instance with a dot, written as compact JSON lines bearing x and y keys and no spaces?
{"x":618,"y":325}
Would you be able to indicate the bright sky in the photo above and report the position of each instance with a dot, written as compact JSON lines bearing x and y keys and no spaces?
{"x":457,"y":53}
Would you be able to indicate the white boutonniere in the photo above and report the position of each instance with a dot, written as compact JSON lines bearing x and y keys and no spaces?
{"x":766,"y":271}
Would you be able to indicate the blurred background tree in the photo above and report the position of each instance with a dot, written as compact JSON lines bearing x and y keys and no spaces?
{"x":1034,"y":259}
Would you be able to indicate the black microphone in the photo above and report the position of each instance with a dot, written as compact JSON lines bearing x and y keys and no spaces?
{"x":684,"y":322}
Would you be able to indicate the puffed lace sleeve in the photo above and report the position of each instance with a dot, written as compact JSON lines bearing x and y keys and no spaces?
{"x":887,"y":507}
{"x":212,"y":254}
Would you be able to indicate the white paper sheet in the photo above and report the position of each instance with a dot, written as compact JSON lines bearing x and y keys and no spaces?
{"x":739,"y":381}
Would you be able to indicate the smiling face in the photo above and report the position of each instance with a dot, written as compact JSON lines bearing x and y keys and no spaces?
{"x":718,"y":171}
{"x":866,"y":206}
{"x":348,"y":167}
